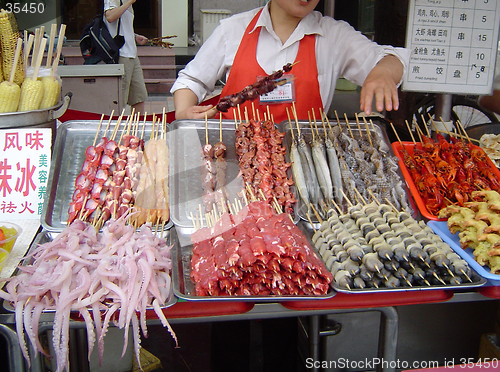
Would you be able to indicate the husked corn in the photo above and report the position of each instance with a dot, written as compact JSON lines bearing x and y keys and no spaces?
{"x":31,"y":95}
{"x":9,"y":33}
{"x":10,"y":94}
{"x":51,"y":92}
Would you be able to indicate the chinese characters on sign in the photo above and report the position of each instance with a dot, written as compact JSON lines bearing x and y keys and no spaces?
{"x":24,"y":171}
{"x":453,"y":44}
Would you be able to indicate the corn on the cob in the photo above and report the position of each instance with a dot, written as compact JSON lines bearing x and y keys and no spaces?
{"x":9,"y":33}
{"x":31,"y":94}
{"x":51,"y":92}
{"x":9,"y":96}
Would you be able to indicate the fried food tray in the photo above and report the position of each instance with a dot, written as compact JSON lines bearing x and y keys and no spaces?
{"x":358,"y":132}
{"x":72,"y":139}
{"x":441,"y":228}
{"x":46,"y":236}
{"x":184,"y":287}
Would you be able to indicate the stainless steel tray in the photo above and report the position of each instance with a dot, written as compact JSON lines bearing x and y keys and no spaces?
{"x":477,"y":280}
{"x":186,"y":137}
{"x":73,"y":137}
{"x":184,"y":287}
{"x":306,"y":131}
{"x":47,"y":236}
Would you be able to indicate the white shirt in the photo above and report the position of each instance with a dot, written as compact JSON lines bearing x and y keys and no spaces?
{"x":340,"y":51}
{"x":129,"y":49}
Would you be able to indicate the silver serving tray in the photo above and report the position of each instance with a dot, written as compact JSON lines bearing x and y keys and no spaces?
{"x":186,"y":137}
{"x":477,"y":280}
{"x":73,"y":137}
{"x":306,"y":131}
{"x":47,"y":236}
{"x":184,"y":287}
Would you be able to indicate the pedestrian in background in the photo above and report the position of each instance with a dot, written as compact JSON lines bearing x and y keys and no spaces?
{"x":134,"y":91}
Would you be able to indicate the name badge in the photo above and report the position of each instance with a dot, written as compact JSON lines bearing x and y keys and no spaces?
{"x":283,"y":93}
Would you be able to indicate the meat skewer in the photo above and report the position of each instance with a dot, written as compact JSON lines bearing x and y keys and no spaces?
{"x":251,"y":92}
{"x":207,"y":171}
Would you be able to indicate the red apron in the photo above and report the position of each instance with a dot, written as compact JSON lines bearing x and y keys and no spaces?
{"x":246,"y":69}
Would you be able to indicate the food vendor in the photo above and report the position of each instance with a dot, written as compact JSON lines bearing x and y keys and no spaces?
{"x":255,"y":43}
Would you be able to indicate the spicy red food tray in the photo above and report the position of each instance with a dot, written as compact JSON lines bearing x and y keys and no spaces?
{"x":409,"y":147}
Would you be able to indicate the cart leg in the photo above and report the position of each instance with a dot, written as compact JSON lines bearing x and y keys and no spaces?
{"x":388,"y":339}
{"x":314,"y":339}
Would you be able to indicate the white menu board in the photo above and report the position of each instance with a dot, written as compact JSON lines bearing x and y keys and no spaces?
{"x":453,"y":46}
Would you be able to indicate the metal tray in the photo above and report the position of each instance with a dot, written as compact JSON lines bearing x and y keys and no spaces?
{"x":47,"y":236}
{"x":186,"y":139}
{"x":73,"y":137}
{"x":184,"y":287}
{"x":477,"y":279}
{"x":306,"y":131}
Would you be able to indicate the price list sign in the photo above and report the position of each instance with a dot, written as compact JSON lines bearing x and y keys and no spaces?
{"x":453,"y":46}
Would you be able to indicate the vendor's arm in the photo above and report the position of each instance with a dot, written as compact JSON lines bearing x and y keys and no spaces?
{"x":114,"y":13}
{"x":382,"y":83}
{"x":186,"y":106}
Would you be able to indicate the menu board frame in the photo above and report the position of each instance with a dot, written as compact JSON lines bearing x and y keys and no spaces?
{"x":453,"y":45}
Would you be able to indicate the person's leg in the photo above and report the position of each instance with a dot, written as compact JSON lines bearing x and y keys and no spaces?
{"x":138,"y":92}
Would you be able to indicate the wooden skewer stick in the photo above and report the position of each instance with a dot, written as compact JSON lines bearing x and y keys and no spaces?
{"x":346,"y":198}
{"x":323,"y":122}
{"x":318,"y":217}
{"x":425,"y":125}
{"x":50,"y":50}
{"x":396,"y":133}
{"x":144,"y":125}
{"x":290,"y":124}
{"x":337,"y":117}
{"x":359,"y":126}
{"x":206,"y":129}
{"x":368,"y":131}
{"x":315,"y":124}
{"x":410,"y":131}
{"x":220,"y":129}
{"x":348,"y":125}
{"x":337,"y":207}
{"x":310,"y":221}
{"x":60,"y":42}
{"x":360,"y":196}
{"x":98,"y":129}
{"x":417,"y":128}
{"x":310,"y":124}
{"x":373,"y":196}
{"x":392,"y":205}
{"x":463,"y":130}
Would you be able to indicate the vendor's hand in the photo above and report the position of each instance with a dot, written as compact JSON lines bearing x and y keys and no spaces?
{"x":381,"y":83}
{"x":197,"y":112}
{"x":141,"y":39}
